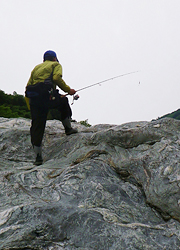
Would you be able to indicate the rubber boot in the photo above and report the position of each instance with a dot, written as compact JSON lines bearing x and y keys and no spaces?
{"x":67,"y":126}
{"x":38,"y":152}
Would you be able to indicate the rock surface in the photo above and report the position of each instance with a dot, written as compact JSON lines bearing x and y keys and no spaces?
{"x":107,"y":187}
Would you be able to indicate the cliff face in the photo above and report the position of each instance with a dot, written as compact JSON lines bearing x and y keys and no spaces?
{"x":107,"y":187}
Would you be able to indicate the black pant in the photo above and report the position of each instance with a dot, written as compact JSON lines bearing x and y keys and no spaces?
{"x":38,"y":124}
{"x":39,"y":113}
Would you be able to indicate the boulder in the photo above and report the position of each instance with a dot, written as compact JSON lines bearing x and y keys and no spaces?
{"x":107,"y":187}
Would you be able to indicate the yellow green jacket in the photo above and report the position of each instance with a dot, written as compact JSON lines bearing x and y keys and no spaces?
{"x":43,"y":71}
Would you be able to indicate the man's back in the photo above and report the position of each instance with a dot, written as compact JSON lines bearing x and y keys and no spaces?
{"x":43,"y":71}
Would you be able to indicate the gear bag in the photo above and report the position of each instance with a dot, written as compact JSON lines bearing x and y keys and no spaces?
{"x":43,"y":93}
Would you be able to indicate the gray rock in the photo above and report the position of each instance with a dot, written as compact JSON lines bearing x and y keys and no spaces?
{"x":107,"y":187}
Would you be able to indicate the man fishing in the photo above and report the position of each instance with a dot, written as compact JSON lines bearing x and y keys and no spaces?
{"x":41,"y":94}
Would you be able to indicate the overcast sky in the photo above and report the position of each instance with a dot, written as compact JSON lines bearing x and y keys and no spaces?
{"x":96,"y":40}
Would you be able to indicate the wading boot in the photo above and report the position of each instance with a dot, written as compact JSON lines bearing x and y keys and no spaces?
{"x":38,"y":152}
{"x":67,"y":126}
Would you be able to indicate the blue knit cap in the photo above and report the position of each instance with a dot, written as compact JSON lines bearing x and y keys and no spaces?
{"x":49,"y":55}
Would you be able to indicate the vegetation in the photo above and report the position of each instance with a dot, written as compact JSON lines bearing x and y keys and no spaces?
{"x":12,"y":106}
{"x":175,"y":115}
{"x":85,"y":123}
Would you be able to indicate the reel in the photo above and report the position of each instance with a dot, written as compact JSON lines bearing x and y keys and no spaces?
{"x":75,"y":98}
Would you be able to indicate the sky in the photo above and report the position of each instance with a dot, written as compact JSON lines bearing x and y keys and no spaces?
{"x":96,"y":40}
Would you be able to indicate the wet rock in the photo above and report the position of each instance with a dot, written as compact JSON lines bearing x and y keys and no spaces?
{"x":107,"y":187}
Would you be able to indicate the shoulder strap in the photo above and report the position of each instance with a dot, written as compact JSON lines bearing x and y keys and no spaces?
{"x":49,"y":80}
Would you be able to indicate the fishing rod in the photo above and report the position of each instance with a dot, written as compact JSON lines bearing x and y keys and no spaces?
{"x":112,"y":78}
{"x":76,"y":97}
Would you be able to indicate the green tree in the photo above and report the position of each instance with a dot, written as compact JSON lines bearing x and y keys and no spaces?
{"x":13,"y":105}
{"x":5,"y":111}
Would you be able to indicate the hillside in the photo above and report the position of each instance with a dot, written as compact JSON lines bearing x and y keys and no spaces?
{"x":175,"y":115}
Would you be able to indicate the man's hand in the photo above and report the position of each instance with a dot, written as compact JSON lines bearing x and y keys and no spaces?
{"x":72,"y":92}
